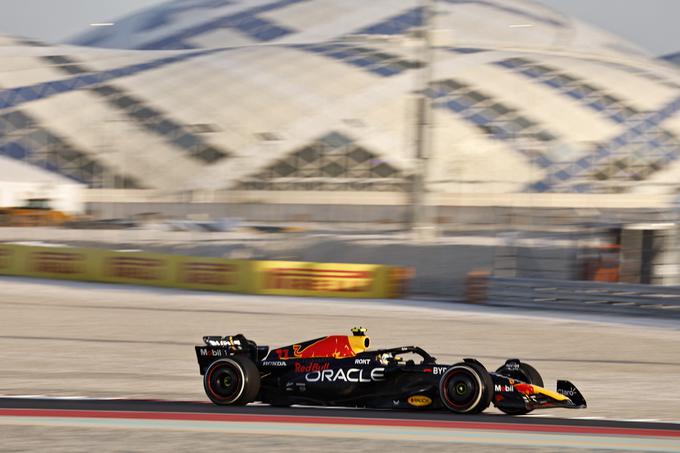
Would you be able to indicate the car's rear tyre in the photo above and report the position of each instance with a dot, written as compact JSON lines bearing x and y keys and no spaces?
{"x":466,"y":388}
{"x":525,"y":373}
{"x":232,"y":381}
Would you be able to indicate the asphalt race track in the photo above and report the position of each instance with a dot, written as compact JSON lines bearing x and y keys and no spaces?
{"x":108,"y":361}
{"x":331,"y":422}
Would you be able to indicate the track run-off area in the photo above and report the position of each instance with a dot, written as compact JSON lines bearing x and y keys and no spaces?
{"x":440,"y":426}
{"x":116,"y":370}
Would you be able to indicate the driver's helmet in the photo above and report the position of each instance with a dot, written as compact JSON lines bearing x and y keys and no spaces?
{"x":385,"y":358}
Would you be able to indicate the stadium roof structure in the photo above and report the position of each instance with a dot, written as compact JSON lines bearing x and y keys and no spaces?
{"x":318,"y":95}
{"x":16,"y":171}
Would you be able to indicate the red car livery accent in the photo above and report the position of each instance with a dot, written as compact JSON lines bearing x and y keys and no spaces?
{"x":332,"y":346}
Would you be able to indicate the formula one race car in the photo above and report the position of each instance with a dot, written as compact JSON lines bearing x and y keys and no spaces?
{"x":337,"y":370}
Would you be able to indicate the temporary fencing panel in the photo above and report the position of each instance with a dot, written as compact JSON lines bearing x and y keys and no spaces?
{"x":212,"y":274}
{"x":397,"y":280}
{"x":292,"y":278}
{"x":63,"y":263}
{"x":137,"y":268}
{"x":296,"y":278}
{"x":11,"y":257}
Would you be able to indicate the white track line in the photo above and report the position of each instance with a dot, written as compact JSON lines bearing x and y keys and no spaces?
{"x":68,"y":398}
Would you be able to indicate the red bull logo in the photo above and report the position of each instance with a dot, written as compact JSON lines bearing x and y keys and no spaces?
{"x":136,"y":268}
{"x":333,"y":346}
{"x":63,"y":263}
{"x":309,"y":367}
{"x":202,"y":273}
{"x":307,"y":279}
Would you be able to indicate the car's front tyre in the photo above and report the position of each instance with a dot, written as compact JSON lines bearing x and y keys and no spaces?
{"x":466,"y":388}
{"x":232,"y":381}
{"x":525,"y":373}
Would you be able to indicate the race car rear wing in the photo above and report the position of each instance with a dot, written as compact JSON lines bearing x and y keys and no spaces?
{"x":216,"y":347}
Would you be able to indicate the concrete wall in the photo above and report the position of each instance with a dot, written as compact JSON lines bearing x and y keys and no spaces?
{"x":441,"y":269}
{"x":442,"y":265}
{"x":382,"y":213}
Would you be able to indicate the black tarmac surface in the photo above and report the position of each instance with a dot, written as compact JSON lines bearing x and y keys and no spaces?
{"x":199,"y":407}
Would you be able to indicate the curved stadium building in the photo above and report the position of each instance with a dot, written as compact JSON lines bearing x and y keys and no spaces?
{"x":261,"y":98}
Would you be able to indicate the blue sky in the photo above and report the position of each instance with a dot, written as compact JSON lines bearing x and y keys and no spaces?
{"x":652,"y":24}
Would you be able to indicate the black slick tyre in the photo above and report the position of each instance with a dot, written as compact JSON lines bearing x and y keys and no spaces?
{"x":232,"y":381}
{"x":525,"y":373}
{"x":466,"y":388}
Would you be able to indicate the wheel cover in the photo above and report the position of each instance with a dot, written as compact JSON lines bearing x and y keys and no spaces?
{"x":225,"y":381}
{"x":461,"y":389}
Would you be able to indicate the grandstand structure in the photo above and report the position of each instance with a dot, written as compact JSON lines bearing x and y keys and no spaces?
{"x":271,"y":100}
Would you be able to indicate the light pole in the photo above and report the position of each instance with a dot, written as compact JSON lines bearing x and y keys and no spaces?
{"x":421,"y":223}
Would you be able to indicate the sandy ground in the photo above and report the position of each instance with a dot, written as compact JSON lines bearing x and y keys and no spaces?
{"x":69,"y":339}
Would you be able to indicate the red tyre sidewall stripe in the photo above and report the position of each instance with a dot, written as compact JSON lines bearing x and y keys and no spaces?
{"x":209,"y":380}
{"x":444,"y":390}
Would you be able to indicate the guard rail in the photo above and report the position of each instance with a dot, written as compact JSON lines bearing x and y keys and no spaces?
{"x":625,"y":298}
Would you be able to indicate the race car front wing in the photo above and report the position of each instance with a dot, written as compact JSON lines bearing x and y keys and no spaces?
{"x":527,"y":397}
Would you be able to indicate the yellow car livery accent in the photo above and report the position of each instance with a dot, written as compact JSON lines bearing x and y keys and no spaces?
{"x":550,"y":393}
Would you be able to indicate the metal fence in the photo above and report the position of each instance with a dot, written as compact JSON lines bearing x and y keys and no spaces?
{"x":620,"y":298}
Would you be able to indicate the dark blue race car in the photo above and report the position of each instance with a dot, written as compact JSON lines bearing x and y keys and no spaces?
{"x":340,"y":370}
